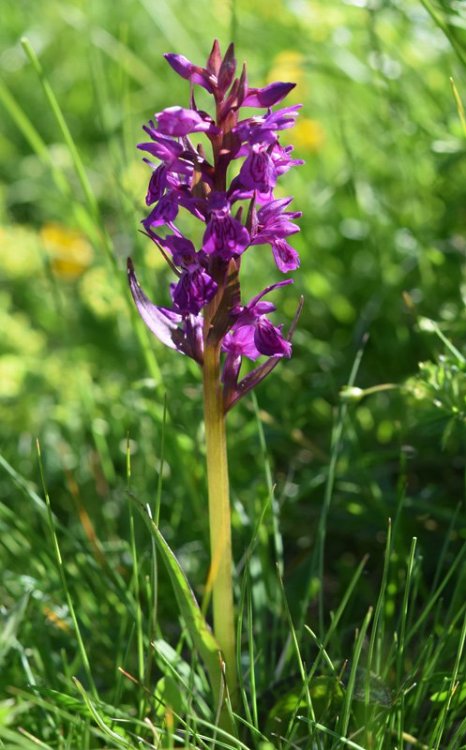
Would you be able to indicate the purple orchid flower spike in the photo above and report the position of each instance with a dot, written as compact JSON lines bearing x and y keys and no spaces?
{"x":206,"y":306}
{"x":227,"y":185}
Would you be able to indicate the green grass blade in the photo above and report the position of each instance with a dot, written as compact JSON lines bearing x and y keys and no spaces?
{"x":200,"y":632}
{"x":377,"y":626}
{"x":333,"y":627}
{"x":297,"y":650}
{"x":123,"y":55}
{"x":135,"y":586}
{"x":330,"y":733}
{"x":336,"y":439}
{"x":21,"y":740}
{"x":24,"y":124}
{"x":435,"y":596}
{"x":117,"y":740}
{"x":169,"y":24}
{"x":252,"y":660}
{"x":441,"y":724}
{"x":58,"y":114}
{"x":61,"y":570}
{"x":444,"y":26}
{"x":459,"y":106}
{"x":404,"y":610}
{"x":346,"y":711}
{"x":277,"y":538}
{"x":24,"y":486}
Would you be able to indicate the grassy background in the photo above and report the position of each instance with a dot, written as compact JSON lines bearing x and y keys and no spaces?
{"x":382,"y":247}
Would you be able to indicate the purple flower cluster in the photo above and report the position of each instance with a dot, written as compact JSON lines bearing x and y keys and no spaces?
{"x":231,"y":194}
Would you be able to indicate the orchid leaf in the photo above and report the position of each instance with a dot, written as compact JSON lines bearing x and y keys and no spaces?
{"x":199,"y":630}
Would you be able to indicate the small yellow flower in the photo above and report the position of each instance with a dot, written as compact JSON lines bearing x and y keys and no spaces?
{"x":70,"y":253}
{"x":308,"y":135}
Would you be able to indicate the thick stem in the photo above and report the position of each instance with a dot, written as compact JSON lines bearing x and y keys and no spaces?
{"x":219,"y":516}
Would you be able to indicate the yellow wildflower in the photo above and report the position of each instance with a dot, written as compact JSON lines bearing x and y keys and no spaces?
{"x":308,"y":135}
{"x":70,"y":253}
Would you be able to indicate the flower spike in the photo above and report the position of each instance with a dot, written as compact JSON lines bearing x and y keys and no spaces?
{"x":206,"y":306}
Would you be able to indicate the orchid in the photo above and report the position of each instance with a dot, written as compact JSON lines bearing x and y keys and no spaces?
{"x":231,"y":193}
{"x":187,"y":179}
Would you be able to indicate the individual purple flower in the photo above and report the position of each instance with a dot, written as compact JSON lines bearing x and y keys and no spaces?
{"x":258,"y":171}
{"x":195,"y":287}
{"x":165,"y":211}
{"x":271,"y":224}
{"x":269,"y":339}
{"x":286,"y":257}
{"x":216,"y":77}
{"x":263,"y":129}
{"x":178,"y":121}
{"x":157,"y":185}
{"x":182,"y":251}
{"x":168,"y":150}
{"x":239,"y":343}
{"x":176,"y":331}
{"x":252,"y":340}
{"x":207,"y":313}
{"x":272,"y":221}
{"x":193,"y":291}
{"x":192,"y":73}
{"x":267,"y":96}
{"x":281,"y":119}
{"x":281,"y":159}
{"x":225,"y":236}
{"x":253,"y":334}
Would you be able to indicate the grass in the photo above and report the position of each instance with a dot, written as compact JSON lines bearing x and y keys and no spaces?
{"x":349,"y":520}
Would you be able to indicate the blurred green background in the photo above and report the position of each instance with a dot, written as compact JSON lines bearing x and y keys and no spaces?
{"x":382,"y":245}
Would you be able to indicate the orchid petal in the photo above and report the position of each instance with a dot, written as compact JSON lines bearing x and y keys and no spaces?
{"x":267,"y":96}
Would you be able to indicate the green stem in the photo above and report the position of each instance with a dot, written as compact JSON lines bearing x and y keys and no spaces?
{"x":220,"y":577}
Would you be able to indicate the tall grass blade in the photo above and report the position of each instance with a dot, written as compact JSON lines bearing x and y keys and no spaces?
{"x":336,"y":619}
{"x":277,"y":538}
{"x":117,"y":740}
{"x":459,"y":106}
{"x":454,"y":686}
{"x":61,"y":570}
{"x":444,"y":26}
{"x":336,"y":441}
{"x":135,"y":585}
{"x":405,"y":607}
{"x":347,"y":703}
{"x":200,"y":632}
{"x":21,"y":740}
{"x":58,"y":114}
